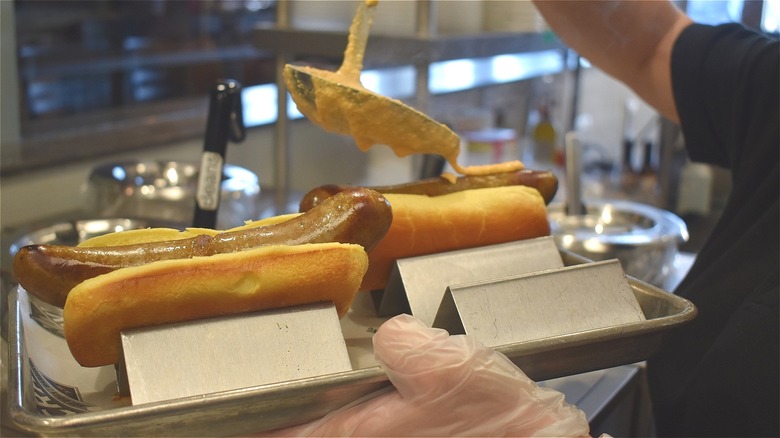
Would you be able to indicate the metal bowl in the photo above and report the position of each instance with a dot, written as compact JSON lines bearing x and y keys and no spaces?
{"x":66,"y":233}
{"x":645,"y":239}
{"x":166,"y":190}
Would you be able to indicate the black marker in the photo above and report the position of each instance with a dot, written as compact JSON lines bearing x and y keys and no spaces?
{"x":225,"y":123}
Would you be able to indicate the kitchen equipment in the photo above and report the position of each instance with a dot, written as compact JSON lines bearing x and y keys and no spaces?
{"x":573,"y":149}
{"x":489,"y":146}
{"x":417,"y":284}
{"x":225,"y":123}
{"x":558,"y":302}
{"x":350,"y":109}
{"x":265,"y":407}
{"x":165,"y":190}
{"x":510,"y":293}
{"x":296,"y":343}
{"x":644,"y":238}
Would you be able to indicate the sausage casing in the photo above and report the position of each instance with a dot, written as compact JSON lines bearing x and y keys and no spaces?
{"x":544,"y":181}
{"x":360,"y":216}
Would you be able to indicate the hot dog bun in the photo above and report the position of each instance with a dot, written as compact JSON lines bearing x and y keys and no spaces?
{"x":169,"y":291}
{"x":466,"y":219}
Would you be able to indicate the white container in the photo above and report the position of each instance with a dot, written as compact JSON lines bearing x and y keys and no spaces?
{"x":391,"y":17}
{"x":395,"y":17}
{"x":321,"y":14}
{"x":511,"y":16}
{"x":490,"y":146}
{"x":694,"y":195}
{"x":458,"y":16}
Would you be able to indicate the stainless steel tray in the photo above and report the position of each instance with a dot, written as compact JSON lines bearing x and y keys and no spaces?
{"x":267,"y":407}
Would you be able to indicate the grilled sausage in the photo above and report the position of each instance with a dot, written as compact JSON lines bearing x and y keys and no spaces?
{"x":360,"y":216}
{"x":544,"y":181}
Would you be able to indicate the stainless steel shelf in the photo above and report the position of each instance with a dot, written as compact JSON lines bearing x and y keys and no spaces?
{"x":81,"y":62}
{"x":385,"y":50}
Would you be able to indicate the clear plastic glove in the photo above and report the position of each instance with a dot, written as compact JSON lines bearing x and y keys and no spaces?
{"x":448,"y":386}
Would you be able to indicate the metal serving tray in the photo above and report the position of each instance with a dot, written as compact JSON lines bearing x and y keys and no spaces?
{"x":272,"y":406}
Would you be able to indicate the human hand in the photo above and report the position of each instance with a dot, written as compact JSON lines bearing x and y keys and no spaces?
{"x":448,"y":386}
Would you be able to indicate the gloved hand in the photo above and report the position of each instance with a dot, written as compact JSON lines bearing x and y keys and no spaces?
{"x":448,"y":386}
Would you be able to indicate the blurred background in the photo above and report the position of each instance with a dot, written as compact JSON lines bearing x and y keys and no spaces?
{"x":104,"y":106}
{"x":90,"y":82}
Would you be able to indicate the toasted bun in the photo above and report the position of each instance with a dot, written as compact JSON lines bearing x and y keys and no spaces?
{"x":426,"y":225}
{"x":163,"y":292}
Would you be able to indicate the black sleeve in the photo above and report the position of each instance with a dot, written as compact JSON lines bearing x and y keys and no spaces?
{"x":725,"y":81}
{"x":719,"y":374}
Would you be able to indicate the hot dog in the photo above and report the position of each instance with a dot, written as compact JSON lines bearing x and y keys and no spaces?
{"x":466,"y":219}
{"x":544,"y":181}
{"x":469,"y":218}
{"x":358,"y":216}
{"x":170,"y":291}
{"x":439,"y":214}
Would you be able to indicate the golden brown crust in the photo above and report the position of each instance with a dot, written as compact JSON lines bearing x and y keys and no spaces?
{"x":427,"y":225}
{"x":163,"y":292}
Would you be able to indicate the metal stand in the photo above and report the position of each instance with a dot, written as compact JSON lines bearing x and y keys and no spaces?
{"x":417,"y":284}
{"x":207,"y":356}
{"x":547,"y":304}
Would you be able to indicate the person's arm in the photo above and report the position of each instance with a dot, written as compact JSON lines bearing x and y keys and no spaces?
{"x":629,"y":40}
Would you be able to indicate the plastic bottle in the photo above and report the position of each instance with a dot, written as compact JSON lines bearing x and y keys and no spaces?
{"x":544,"y":136}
